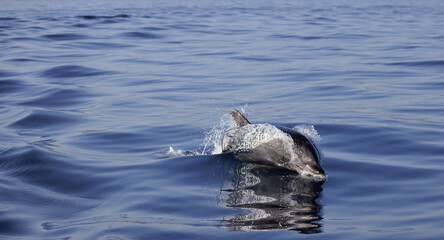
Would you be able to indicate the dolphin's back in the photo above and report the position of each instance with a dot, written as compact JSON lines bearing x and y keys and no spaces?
{"x":269,"y":153}
{"x":271,"y":145}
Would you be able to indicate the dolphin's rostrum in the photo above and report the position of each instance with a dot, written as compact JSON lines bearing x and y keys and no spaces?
{"x":272,"y":145}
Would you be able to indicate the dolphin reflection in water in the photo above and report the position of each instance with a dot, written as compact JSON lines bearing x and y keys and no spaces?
{"x":274,"y":191}
{"x":272,"y":199}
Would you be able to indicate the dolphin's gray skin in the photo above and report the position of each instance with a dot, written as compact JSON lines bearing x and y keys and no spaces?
{"x":271,"y":145}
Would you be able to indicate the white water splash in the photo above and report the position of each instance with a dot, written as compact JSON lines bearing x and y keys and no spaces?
{"x":171,"y":152}
{"x":308,"y":131}
{"x":213,"y":137}
{"x":253,"y":135}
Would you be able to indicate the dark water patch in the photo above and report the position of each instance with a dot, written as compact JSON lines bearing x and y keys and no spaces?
{"x":331,"y":89}
{"x":145,"y":82}
{"x":424,"y":85}
{"x":59,"y":98}
{"x":30,"y":39}
{"x":429,"y":109}
{"x":37,"y":28}
{"x":128,"y":226}
{"x":339,"y":92}
{"x":402,"y":47}
{"x":433,"y":64}
{"x":11,"y":85}
{"x":392,"y":230}
{"x":391,"y":74}
{"x":215,"y":53}
{"x":290,"y":36}
{"x":377,"y":171}
{"x":230,"y":31}
{"x":8,"y":19}
{"x":71,"y":71}
{"x":11,"y":225}
{"x":64,"y":36}
{"x":390,"y":186}
{"x":81,"y":25}
{"x":187,"y":169}
{"x":49,"y":19}
{"x":5,"y":27}
{"x":22,"y":60}
{"x":43,"y":119}
{"x":154,"y":28}
{"x":77,"y":56}
{"x":325,"y":19}
{"x":122,"y":219}
{"x":18,"y":161}
{"x":143,"y":35}
{"x":4,"y":73}
{"x":52,"y":172}
{"x":313,"y":22}
{"x":23,"y":205}
{"x":344,"y":36}
{"x":189,"y":26}
{"x":174,"y":42}
{"x":130,"y":141}
{"x":101,"y":45}
{"x":93,"y":17}
{"x":109,"y":21}
{"x":255,"y":58}
{"x":113,"y":142}
{"x":383,"y":143}
{"x":330,"y":48}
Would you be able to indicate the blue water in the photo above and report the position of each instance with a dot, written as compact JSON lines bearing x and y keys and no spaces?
{"x":93,"y":95}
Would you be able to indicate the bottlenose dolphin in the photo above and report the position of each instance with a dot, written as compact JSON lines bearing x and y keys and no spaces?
{"x":271,"y":145}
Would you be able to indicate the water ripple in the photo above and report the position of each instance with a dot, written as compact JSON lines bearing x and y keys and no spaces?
{"x":71,"y":71}
{"x":143,"y":35}
{"x":4,"y":73}
{"x":44,"y":119}
{"x":49,"y":171}
{"x":11,"y":85}
{"x":435,"y":63}
{"x":64,"y":36}
{"x":93,"y":17}
{"x":8,"y":18}
{"x":101,"y":45}
{"x":59,"y":98}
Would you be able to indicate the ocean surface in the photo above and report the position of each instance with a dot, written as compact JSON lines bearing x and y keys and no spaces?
{"x":112,"y":113}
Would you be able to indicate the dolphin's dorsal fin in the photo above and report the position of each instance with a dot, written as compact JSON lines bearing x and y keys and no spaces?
{"x":239,"y":118}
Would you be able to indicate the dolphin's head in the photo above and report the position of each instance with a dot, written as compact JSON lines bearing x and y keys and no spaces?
{"x":304,"y":162}
{"x":307,"y":161}
{"x":312,"y":168}
{"x":228,"y":139}
{"x":306,"y":156}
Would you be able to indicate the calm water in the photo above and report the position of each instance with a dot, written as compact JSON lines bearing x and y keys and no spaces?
{"x":93,"y":95}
